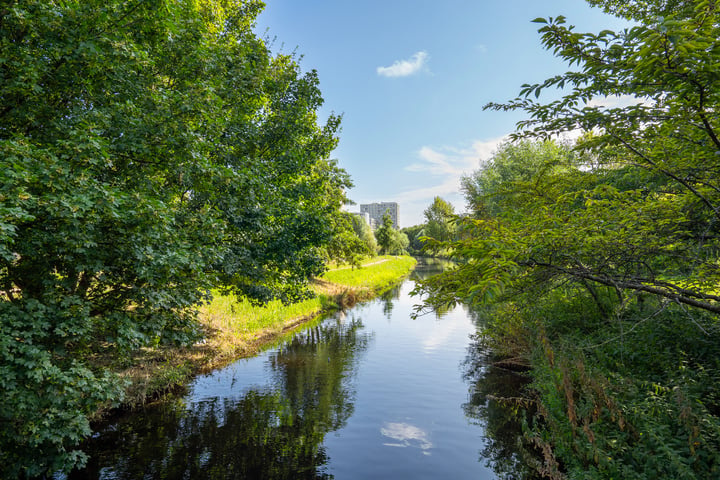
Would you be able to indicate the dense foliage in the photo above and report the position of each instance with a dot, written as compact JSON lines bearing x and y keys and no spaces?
{"x":389,"y":240}
{"x":599,"y":261}
{"x":353,"y":240}
{"x":150,"y":150}
{"x":414,"y":235}
{"x":439,"y":220}
{"x":365,"y":234}
{"x":439,"y":225}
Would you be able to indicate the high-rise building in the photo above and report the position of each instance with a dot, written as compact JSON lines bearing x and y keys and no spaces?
{"x":376,"y":211}
{"x":364,"y":215}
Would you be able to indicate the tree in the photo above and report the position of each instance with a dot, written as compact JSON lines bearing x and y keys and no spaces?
{"x":389,"y":240}
{"x":439,"y":220}
{"x":383,"y":234}
{"x":492,"y":188}
{"x":399,"y":244}
{"x":353,"y":240}
{"x":666,"y":143}
{"x":365,"y":234}
{"x":620,"y":236}
{"x":151,"y":151}
{"x":642,"y":9}
{"x":415,"y":234}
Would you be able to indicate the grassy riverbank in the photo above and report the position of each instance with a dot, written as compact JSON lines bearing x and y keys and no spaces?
{"x":236,"y":329}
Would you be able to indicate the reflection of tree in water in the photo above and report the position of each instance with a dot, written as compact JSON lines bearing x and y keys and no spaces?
{"x":268,"y":434}
{"x":429,"y":266}
{"x":313,"y":371}
{"x":503,"y":451}
{"x":388,"y":297}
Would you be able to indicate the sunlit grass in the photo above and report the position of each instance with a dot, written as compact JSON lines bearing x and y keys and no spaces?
{"x":376,"y":273}
{"x":240,"y":323}
{"x":226,"y":312}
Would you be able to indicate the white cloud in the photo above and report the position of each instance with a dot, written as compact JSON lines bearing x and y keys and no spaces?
{"x":454,"y":161}
{"x":407,"y":435}
{"x":446,"y":166}
{"x":441,"y":333}
{"x":404,"y":68}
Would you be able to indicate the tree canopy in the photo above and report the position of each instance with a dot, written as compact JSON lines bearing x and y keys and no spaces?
{"x":151,"y":150}
{"x":438,"y":218}
{"x":579,"y":248}
{"x":389,"y":240}
{"x":648,"y":187}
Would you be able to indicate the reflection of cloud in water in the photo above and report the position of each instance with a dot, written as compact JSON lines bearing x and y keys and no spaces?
{"x":442,"y":332}
{"x":407,"y":435}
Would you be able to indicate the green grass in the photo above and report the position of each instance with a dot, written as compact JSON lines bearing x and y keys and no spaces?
{"x":375,"y":274}
{"x":241,"y":317}
{"x":240,"y":322}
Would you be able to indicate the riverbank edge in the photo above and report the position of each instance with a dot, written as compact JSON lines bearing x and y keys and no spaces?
{"x":154,"y":373}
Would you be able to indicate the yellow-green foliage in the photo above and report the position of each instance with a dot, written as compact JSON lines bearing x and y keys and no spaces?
{"x":377,"y":273}
{"x":242,"y":318}
{"x":245,"y":321}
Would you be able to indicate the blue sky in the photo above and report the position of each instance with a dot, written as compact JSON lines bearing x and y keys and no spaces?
{"x":410,"y":78}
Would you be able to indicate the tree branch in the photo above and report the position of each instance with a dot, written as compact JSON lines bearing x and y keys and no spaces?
{"x":663,"y":289}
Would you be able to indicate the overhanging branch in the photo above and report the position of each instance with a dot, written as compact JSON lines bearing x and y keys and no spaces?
{"x":664,"y":289}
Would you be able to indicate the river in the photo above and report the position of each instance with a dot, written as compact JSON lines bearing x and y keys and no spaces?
{"x":365,"y":394}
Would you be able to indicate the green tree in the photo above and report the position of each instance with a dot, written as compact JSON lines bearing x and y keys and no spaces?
{"x":151,"y":150}
{"x":621,"y":236}
{"x":495,"y":187}
{"x":353,"y":240}
{"x":383,"y":234}
{"x":389,"y":240}
{"x":439,"y":220}
{"x":647,"y":10}
{"x":399,"y":244}
{"x":667,"y":143}
{"x":365,"y":233}
{"x":415,"y":234}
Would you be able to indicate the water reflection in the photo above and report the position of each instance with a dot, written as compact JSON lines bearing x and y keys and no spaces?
{"x":428,"y":266}
{"x":271,"y":432}
{"x":504,"y":450}
{"x":388,"y":297}
{"x":406,"y":435}
{"x":403,"y":399}
{"x":315,"y":369}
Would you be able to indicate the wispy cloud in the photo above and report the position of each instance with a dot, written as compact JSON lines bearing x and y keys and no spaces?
{"x":404,"y":68}
{"x":445,"y":166}
{"x":454,"y":161}
{"x":407,"y":435}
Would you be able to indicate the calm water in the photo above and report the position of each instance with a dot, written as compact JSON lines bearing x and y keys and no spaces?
{"x":366,"y":394}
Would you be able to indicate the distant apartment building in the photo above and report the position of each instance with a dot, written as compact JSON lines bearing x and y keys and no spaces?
{"x":376,"y":211}
{"x":364,"y":215}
